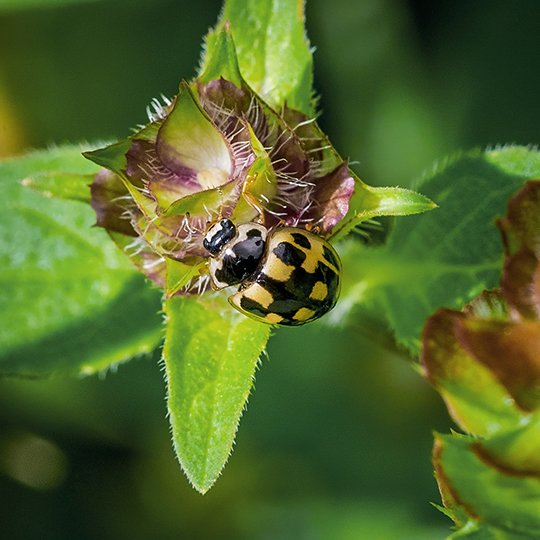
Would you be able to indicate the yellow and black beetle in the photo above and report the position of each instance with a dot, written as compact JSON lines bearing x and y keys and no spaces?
{"x":288,"y":276}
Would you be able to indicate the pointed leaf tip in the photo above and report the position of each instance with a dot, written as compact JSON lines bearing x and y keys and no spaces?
{"x":210,"y":357}
{"x":221,"y":60}
{"x":274,"y":55}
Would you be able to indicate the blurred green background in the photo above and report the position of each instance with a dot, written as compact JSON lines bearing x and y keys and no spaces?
{"x":336,"y":440}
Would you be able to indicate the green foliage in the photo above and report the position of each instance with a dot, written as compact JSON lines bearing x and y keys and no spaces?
{"x":8,"y":5}
{"x":499,"y":505}
{"x":485,"y":362}
{"x":445,"y":257}
{"x":371,"y":202}
{"x":70,"y":301}
{"x":210,"y":358}
{"x":262,"y":30}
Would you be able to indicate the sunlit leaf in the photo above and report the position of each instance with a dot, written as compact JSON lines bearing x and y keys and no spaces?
{"x":210,"y":357}
{"x":478,"y":402}
{"x":262,"y":30}
{"x":64,"y":185}
{"x":485,"y":360}
{"x":481,"y":531}
{"x":517,"y":451}
{"x":369,"y":202}
{"x":69,"y":301}
{"x":503,"y":501}
{"x":440,"y":258}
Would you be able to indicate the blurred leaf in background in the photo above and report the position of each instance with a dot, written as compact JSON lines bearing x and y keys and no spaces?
{"x":337,"y":438}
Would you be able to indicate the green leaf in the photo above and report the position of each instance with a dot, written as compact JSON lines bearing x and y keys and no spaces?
{"x":210,"y":355}
{"x":520,"y":160}
{"x":69,"y":301}
{"x":59,"y":172}
{"x":445,"y":257}
{"x":64,"y":185}
{"x":498,"y":500}
{"x":516,"y":451}
{"x":477,"y":400}
{"x":479,"y":531}
{"x":273,"y":51}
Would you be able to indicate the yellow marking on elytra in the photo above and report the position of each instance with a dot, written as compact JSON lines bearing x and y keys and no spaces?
{"x":319,"y":291}
{"x":276,"y":269}
{"x":273,"y":318}
{"x":303,"y":314}
{"x":314,"y":254}
{"x":259,"y":294}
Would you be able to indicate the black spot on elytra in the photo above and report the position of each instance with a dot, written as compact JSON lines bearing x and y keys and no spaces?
{"x":301,"y":240}
{"x":330,"y":256}
{"x":289,"y":254}
{"x":293,"y":294}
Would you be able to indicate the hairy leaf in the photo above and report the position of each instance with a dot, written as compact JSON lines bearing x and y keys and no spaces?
{"x":273,"y":51}
{"x":485,"y":360}
{"x":445,"y":257}
{"x":64,"y":185}
{"x":370,"y":202}
{"x":69,"y":300}
{"x":493,"y":497}
{"x":210,"y":355}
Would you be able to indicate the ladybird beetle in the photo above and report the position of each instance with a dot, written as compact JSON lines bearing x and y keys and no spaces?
{"x":286,"y":277}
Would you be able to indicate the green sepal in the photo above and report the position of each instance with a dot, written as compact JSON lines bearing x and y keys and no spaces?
{"x":189,"y":138}
{"x":260,"y":185}
{"x":201,"y":204}
{"x":369,"y":202}
{"x":221,"y":60}
{"x":179,"y":274}
{"x":112,"y":157}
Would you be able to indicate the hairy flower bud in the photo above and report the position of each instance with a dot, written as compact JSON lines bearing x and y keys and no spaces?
{"x":216,"y":151}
